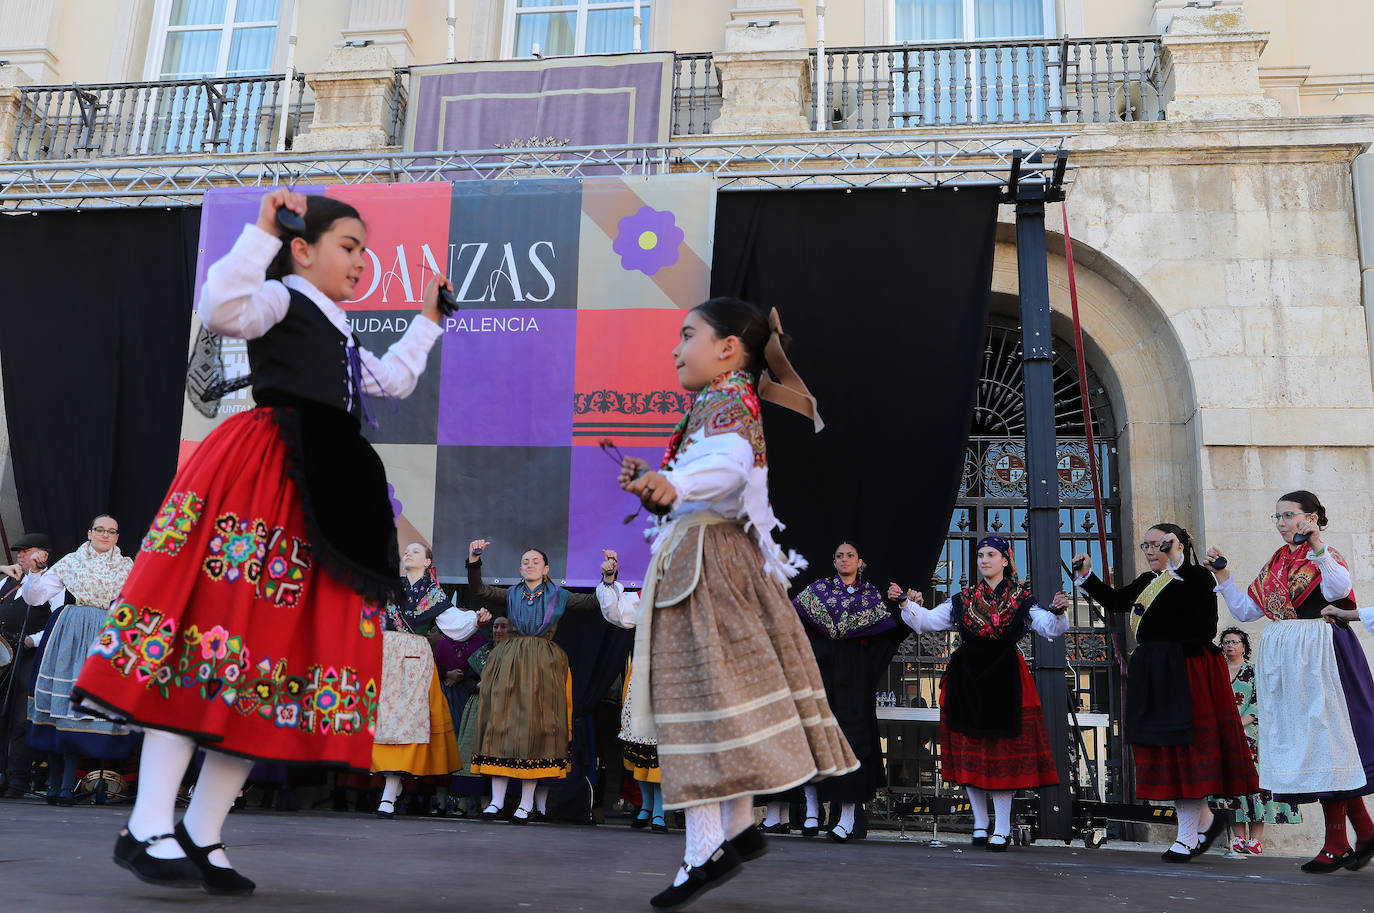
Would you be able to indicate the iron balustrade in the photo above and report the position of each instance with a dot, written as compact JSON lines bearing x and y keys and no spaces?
{"x":1022,"y":81}
{"x":224,"y":115}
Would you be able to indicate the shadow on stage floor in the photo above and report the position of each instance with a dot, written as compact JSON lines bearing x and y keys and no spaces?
{"x":57,"y":860}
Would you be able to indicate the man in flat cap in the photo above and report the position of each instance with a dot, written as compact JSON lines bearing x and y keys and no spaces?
{"x":21,"y":626}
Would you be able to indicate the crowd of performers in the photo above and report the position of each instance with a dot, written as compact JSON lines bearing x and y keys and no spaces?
{"x":271,"y":617}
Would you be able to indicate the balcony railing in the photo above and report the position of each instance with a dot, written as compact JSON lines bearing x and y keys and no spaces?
{"x":235,"y":114}
{"x":1053,"y":81}
{"x":696,"y":94}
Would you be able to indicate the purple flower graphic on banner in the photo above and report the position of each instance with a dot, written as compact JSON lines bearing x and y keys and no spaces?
{"x":395,"y":502}
{"x":648,"y":240}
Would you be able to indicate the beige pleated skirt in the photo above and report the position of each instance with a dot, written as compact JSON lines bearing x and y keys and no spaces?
{"x":737,"y":700}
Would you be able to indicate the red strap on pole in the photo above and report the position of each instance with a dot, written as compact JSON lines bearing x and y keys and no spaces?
{"x":1083,"y":395}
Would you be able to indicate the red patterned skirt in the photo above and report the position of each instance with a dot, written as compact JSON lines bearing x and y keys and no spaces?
{"x":1023,"y":761}
{"x":1218,"y":762}
{"x":227,"y":631}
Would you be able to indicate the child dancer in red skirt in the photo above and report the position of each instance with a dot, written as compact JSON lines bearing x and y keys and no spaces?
{"x":251,"y":623}
{"x":992,"y":729}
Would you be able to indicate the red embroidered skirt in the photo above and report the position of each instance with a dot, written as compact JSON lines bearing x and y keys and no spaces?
{"x":1022,"y":761}
{"x":1218,"y":762}
{"x":226,"y":630}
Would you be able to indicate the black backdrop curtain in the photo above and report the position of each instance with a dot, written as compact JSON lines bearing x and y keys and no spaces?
{"x":96,"y":322}
{"x":885,"y":294}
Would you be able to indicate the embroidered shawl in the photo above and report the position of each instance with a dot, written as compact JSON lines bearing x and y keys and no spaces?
{"x":94,"y":579}
{"x":1288,"y":579}
{"x":840,"y":611}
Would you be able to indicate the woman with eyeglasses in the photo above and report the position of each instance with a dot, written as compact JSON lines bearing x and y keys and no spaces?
{"x":1254,"y":811}
{"x":93,"y":575}
{"x":1181,"y":718}
{"x":1312,"y":679}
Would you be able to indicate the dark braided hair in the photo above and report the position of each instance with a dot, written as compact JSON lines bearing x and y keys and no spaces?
{"x":748,"y":322}
{"x":321,"y":212}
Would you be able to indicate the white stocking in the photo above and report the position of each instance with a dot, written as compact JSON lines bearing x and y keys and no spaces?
{"x":704,"y":836}
{"x":1189,"y":812}
{"x":1001,"y":808}
{"x":498,"y":792}
{"x":847,"y":817}
{"x":736,"y":815}
{"x":391,"y":790}
{"x":541,"y":797}
{"x":165,"y":759}
{"x":978,"y":798}
{"x":774,"y":814}
{"x":526,"y":798}
{"x":813,"y":803}
{"x":221,"y":778}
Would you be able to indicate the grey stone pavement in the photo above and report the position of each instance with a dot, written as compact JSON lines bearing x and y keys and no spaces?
{"x":55,"y":860}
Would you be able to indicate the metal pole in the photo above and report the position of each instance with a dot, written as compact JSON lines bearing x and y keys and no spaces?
{"x":452,"y":30}
{"x":1042,"y":488}
{"x":819,"y":108}
{"x":639,"y":29}
{"x":289,"y":82}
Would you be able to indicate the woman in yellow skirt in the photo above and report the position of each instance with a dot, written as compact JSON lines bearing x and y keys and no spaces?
{"x":524,"y":721}
{"x":415,"y":732}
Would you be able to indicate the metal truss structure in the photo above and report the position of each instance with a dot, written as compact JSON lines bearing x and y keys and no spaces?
{"x":907,"y":160}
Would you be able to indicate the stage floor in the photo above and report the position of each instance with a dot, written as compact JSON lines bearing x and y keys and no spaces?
{"x":58,"y":860}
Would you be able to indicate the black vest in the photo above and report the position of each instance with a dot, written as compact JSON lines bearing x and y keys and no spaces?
{"x":303,"y":359}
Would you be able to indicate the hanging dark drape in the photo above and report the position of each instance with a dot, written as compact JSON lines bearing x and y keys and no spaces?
{"x":886,"y":296}
{"x":96,"y":322}
{"x":596,"y":657}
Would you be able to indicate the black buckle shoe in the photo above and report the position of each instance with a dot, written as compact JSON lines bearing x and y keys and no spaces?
{"x":132,"y":854}
{"x":1210,"y":835}
{"x":1364,"y":851}
{"x":637,"y":823}
{"x":659,"y":825}
{"x":723,"y":865}
{"x":998,"y":847}
{"x":214,"y":879}
{"x":749,"y":843}
{"x":1325,"y":863}
{"x":840,"y":834}
{"x":980,"y":841}
{"x":782,"y":827}
{"x":1173,"y":855}
{"x":390,"y":814}
{"x":517,"y":818}
{"x":809,"y":829}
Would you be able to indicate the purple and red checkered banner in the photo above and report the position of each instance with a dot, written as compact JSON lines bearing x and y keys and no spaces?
{"x":571,"y":294}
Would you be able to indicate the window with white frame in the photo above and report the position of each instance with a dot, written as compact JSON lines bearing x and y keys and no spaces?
{"x":196,"y":38}
{"x":554,"y":28}
{"x":918,"y":21}
{"x":1009,"y":83}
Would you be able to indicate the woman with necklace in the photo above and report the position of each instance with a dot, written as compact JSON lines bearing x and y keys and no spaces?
{"x":992,"y":729}
{"x":415,"y":731}
{"x":524,"y":721}
{"x":1252,"y":812}
{"x":853,"y":635}
{"x":1312,"y":680}
{"x":1181,"y":718}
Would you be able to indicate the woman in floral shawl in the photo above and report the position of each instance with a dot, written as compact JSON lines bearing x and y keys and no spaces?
{"x":1312,"y":679}
{"x":992,"y":730}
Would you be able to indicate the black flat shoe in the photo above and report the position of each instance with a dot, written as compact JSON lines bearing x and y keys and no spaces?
{"x":1364,"y":851}
{"x":659,"y":825}
{"x":723,"y":865}
{"x":390,"y":814}
{"x":517,"y":818}
{"x":637,"y":823}
{"x":749,"y":843}
{"x":1211,"y":834}
{"x":132,"y":854}
{"x":782,"y":827}
{"x":64,"y":798}
{"x":50,"y":796}
{"x":490,"y":813}
{"x":980,"y":841}
{"x":809,"y":829}
{"x":998,"y":847}
{"x":214,"y":879}
{"x":1173,"y":855}
{"x":1325,"y":863}
{"x":840,"y":834}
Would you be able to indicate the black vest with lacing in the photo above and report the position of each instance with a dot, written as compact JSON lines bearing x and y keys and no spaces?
{"x":303,"y":360}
